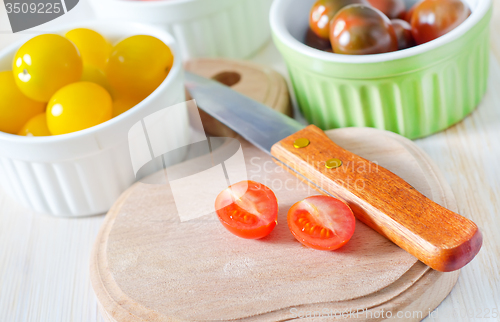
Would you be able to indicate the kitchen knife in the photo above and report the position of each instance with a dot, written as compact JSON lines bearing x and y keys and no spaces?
{"x":438,"y":237}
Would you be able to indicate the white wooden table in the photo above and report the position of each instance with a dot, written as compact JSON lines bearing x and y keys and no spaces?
{"x":44,"y":261}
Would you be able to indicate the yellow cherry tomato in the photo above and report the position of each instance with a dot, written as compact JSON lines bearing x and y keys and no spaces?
{"x":123,"y":103}
{"x":36,"y":126}
{"x":96,"y":75}
{"x":138,"y":65}
{"x":44,"y":64}
{"x":78,"y":106}
{"x":15,"y":108}
{"x":93,"y":47}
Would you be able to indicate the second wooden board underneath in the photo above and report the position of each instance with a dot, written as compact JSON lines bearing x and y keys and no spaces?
{"x":148,"y":266}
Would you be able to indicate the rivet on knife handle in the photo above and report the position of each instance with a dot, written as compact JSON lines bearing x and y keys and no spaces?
{"x":301,"y":143}
{"x":438,"y":237}
{"x":333,"y":163}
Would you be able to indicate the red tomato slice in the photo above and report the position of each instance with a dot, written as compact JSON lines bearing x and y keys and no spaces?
{"x":321,"y":222}
{"x":247,"y":209}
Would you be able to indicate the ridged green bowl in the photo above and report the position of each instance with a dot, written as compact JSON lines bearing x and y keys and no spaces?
{"x":414,"y":92}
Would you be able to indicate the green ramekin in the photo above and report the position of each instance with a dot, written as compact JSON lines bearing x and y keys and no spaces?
{"x":414,"y":92}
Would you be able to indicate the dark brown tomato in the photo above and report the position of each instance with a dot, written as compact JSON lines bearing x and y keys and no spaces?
{"x":409,"y":14}
{"x":314,"y":41}
{"x":403,"y":33}
{"x":391,"y":8}
{"x":362,"y":30}
{"x":322,"y":13}
{"x":434,"y":18}
{"x":321,"y":222}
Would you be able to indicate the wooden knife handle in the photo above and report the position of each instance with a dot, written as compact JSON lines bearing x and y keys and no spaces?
{"x":438,"y":237}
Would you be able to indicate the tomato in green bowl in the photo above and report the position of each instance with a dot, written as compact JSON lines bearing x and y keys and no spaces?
{"x":414,"y":92}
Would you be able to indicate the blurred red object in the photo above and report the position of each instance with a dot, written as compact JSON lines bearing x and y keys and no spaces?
{"x":433,"y":18}
{"x":391,"y":8}
{"x":403,"y":33}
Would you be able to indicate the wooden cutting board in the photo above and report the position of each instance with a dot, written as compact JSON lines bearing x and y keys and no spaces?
{"x":148,"y":266}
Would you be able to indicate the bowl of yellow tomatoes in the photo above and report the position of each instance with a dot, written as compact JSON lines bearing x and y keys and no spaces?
{"x":68,"y":102}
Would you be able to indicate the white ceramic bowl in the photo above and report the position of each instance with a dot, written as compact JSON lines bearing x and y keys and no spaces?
{"x":83,"y":173}
{"x":202,"y":28}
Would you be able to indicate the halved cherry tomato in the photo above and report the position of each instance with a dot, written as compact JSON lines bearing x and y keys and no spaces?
{"x":433,"y":18}
{"x":321,"y":222}
{"x":322,"y":13}
{"x":247,"y":209}
{"x":362,"y":30}
{"x":403,"y":33}
{"x":391,"y":8}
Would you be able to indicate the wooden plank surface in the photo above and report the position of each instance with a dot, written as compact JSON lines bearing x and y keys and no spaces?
{"x":44,"y":261}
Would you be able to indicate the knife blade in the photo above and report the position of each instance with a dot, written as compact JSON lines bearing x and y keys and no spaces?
{"x":254,"y":121}
{"x":438,"y":237}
